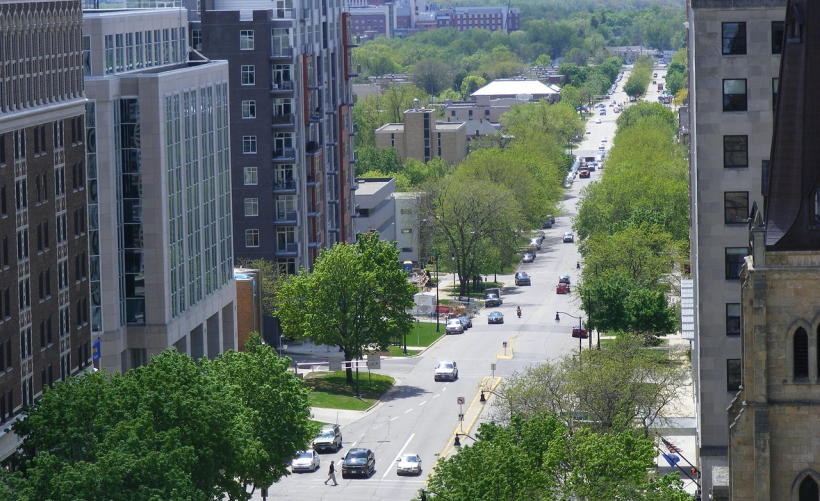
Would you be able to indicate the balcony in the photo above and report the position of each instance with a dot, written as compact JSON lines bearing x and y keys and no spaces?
{"x":354,"y":72}
{"x":314,"y":209}
{"x":332,"y":170}
{"x":312,"y":181}
{"x":281,"y":53}
{"x":354,"y":158}
{"x":354,"y":42}
{"x":315,"y":116}
{"x":288,"y":187}
{"x":286,"y":121}
{"x":284,"y":155}
{"x":287,"y":250}
{"x":354,"y":131}
{"x":316,"y":241}
{"x":312,"y":148}
{"x":286,"y":218}
{"x":354,"y":186}
{"x":283,"y":87}
{"x":317,"y":85}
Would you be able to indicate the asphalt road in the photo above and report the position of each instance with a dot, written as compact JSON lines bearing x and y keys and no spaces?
{"x":422,"y":416}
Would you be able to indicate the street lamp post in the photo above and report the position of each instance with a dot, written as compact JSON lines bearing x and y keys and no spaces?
{"x":580,"y":328}
{"x":453,"y":259}
{"x":438,"y":329}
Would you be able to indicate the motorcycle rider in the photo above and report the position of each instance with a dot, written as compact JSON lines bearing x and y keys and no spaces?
{"x":518,"y":310}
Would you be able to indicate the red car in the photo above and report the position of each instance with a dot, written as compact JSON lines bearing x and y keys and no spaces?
{"x":579,"y":332}
{"x":562,"y":288}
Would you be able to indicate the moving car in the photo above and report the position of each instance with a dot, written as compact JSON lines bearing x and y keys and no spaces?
{"x":598,"y":120}
{"x":358,"y":462}
{"x":328,"y":439}
{"x":446,"y":370}
{"x":583,"y":173}
{"x":521,"y":278}
{"x":495,"y":317}
{"x":528,"y":257}
{"x":465,"y":321}
{"x":305,"y":461}
{"x":604,"y":139}
{"x":454,"y":326}
{"x":569,"y":237}
{"x":492,"y":300}
{"x":562,"y":288}
{"x":408,"y":464}
{"x":563,"y":279}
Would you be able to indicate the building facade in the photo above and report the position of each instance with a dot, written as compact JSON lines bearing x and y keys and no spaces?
{"x":291,"y":125}
{"x":773,"y":421}
{"x":157,"y":128}
{"x":45,"y":300}
{"x":734,"y":59}
{"x":375,"y":207}
{"x":423,"y":138}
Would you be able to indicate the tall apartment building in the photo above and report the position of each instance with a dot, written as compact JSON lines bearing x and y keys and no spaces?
{"x":734,"y":59}
{"x":291,"y":124}
{"x":45,"y":332}
{"x":159,"y":189}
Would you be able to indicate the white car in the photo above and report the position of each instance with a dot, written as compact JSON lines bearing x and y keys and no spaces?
{"x":446,"y":370}
{"x":597,"y":120}
{"x":569,"y":237}
{"x":408,"y":464}
{"x":603,"y":139}
{"x":454,"y":326}
{"x":305,"y":461}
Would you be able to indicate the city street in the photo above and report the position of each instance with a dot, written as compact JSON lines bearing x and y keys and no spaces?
{"x":422,"y":416}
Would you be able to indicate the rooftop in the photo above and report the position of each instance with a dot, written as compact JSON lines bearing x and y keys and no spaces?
{"x":515,"y":87}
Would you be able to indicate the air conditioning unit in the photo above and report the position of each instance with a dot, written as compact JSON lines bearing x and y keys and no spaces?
{"x":274,"y":86}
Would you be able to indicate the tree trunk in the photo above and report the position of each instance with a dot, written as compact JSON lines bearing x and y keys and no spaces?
{"x":349,"y":370}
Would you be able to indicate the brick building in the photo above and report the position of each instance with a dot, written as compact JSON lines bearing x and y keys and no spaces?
{"x":45,"y":300}
{"x":423,"y":138}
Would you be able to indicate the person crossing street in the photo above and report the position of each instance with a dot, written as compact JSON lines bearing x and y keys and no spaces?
{"x":331,"y":474}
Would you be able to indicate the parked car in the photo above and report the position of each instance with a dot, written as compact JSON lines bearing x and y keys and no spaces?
{"x":492,"y":300}
{"x":358,"y":462}
{"x":454,"y":326}
{"x":465,"y":321}
{"x":569,"y":237}
{"x":495,"y":317}
{"x":446,"y":370}
{"x":546,"y":224}
{"x":562,"y":288}
{"x":328,"y":439}
{"x":305,"y":461}
{"x":408,"y":464}
{"x":528,"y":257}
{"x":563,"y":279}
{"x":521,"y":278}
{"x":535,"y":244}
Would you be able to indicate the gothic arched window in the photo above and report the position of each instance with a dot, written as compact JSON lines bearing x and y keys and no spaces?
{"x":800,"y":347}
{"x":808,"y":490}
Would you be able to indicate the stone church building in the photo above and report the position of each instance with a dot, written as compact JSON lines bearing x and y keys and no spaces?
{"x":774,"y":422}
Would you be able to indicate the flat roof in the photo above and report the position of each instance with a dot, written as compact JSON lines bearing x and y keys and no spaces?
{"x":514,"y":87}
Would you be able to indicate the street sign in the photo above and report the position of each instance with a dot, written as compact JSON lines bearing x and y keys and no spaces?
{"x":460,"y":400}
{"x":504,"y":343}
{"x":374,"y":361}
{"x":492,"y":367}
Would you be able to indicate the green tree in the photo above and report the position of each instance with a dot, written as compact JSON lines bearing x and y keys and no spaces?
{"x":432,"y":76}
{"x":385,"y":160}
{"x":168,"y":430}
{"x":471,"y":84}
{"x":356,"y":298}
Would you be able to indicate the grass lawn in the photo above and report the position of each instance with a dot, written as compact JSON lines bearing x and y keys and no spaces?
{"x":331,"y":390}
{"x":425,"y":333}
{"x":398,"y":351}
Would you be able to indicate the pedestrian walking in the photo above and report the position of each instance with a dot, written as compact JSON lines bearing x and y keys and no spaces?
{"x":331,"y":474}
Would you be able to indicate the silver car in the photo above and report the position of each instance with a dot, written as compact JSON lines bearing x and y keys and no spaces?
{"x":305,"y":461}
{"x":454,"y":326}
{"x":409,"y":464}
{"x":446,"y":370}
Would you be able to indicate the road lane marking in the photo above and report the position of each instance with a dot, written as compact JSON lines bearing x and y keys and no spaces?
{"x":393,"y":419}
{"x":386,"y":471}
{"x":423,"y":403}
{"x":408,"y":410}
{"x":436,"y":396}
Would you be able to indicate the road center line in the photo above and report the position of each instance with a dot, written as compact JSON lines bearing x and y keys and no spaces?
{"x":393,"y":419}
{"x":422,"y":403}
{"x":386,"y":471}
{"x":408,"y":410}
{"x":436,"y":396}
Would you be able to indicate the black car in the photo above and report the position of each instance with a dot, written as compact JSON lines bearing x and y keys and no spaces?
{"x":358,"y":462}
{"x":492,"y":300}
{"x":522,"y":278}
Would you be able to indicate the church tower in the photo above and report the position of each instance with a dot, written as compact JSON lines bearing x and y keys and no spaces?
{"x":774,"y":422}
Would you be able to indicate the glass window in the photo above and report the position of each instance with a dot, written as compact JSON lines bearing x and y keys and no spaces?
{"x":249,"y":74}
{"x":734,"y":95}
{"x":800,"y":350}
{"x":251,"y":176}
{"x":251,"y":206}
{"x":249,"y":144}
{"x":734,"y":376}
{"x":734,"y":38}
{"x":251,"y":238}
{"x":732,"y":319}
{"x":816,"y":216}
{"x":775,"y":87}
{"x":778,"y":31}
{"x":196,"y":39}
{"x":735,"y":151}
{"x":246,"y":40}
{"x":248,"y":109}
{"x":735,"y":207}
{"x":734,"y":261}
